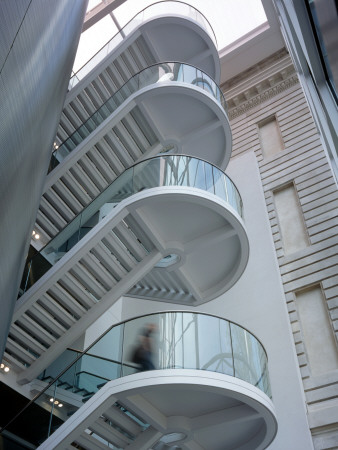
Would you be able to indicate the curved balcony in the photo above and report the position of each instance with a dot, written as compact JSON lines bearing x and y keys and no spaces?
{"x":169,"y":36}
{"x":198,"y":379}
{"x":169,"y":229}
{"x":164,"y":73}
{"x":170,"y":107}
{"x":158,"y":172}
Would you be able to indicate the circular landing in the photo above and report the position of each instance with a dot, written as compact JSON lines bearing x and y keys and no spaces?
{"x":189,"y":118}
{"x":186,"y":409}
{"x":170,"y":32}
{"x":201,"y":237}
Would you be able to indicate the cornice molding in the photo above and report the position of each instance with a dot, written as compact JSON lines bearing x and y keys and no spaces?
{"x":259,"y":83}
{"x":262,"y":97}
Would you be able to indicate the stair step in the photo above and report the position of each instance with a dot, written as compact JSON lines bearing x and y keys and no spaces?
{"x":59,"y":204}
{"x":60,"y":294}
{"x":109,"y":155}
{"x":80,"y":109}
{"x":101,"y":90}
{"x":74,"y":288}
{"x":49,"y":228}
{"x":101,"y":164}
{"x":109,"y":433}
{"x":130,"y":61}
{"x":84,"y":180}
{"x":21,"y":335}
{"x":86,"y":103}
{"x":98,"y":270}
{"x":76,"y":188}
{"x":128,"y":238}
{"x":120,"y":251}
{"x":115,"y":76}
{"x":122,"y":420}
{"x":92,"y":171}
{"x":109,"y":260}
{"x":124,"y":136}
{"x":68,"y":197}
{"x":112,"y":140}
{"x":90,"y":443}
{"x":52,"y":215}
{"x":40,"y":315}
{"x":57,"y":310}
{"x":86,"y":278}
{"x":107,"y":81}
{"x":136,"y":133}
{"x":35,"y":329}
{"x":19,"y":350}
{"x":93,"y":96}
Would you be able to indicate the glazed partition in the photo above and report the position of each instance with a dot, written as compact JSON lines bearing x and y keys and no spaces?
{"x":160,"y":171}
{"x":170,"y":340}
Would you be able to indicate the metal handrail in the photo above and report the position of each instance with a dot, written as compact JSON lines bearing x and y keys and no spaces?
{"x":133,"y":18}
{"x":106,"y":332}
{"x":163,"y":156}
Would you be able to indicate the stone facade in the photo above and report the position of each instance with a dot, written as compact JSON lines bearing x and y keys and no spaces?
{"x":302,"y":204}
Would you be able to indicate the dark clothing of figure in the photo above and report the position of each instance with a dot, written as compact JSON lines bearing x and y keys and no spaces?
{"x":143,"y":353}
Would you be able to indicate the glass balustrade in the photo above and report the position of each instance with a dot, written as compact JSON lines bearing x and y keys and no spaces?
{"x":159,"y":9}
{"x":172,"y":72}
{"x":167,"y":340}
{"x":160,"y":171}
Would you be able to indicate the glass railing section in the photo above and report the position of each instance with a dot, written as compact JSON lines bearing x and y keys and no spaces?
{"x":160,"y":171}
{"x":159,"y":9}
{"x":157,"y":73}
{"x":167,"y":340}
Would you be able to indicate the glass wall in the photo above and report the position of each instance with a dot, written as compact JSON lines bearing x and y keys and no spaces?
{"x":165,"y":8}
{"x":168,"y":340}
{"x":160,"y":171}
{"x":158,"y":73}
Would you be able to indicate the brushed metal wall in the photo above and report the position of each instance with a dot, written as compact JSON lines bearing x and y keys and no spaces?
{"x":38,"y":41}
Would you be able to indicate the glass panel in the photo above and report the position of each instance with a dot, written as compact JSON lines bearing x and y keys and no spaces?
{"x":141,"y":345}
{"x":173,"y":340}
{"x":214,"y":344}
{"x":161,"y":8}
{"x":249,"y":360}
{"x":169,"y":170}
{"x":219,"y":183}
{"x":163,"y":72}
{"x":147,"y":175}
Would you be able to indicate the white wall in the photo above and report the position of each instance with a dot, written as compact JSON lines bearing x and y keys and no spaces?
{"x":257,"y":303}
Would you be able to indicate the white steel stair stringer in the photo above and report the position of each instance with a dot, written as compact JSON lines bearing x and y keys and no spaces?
{"x":87,"y":319}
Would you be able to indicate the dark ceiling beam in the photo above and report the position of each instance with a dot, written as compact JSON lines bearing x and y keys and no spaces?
{"x":100,"y":11}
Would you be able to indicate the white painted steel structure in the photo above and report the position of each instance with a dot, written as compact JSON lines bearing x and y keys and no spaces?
{"x":121,"y":255}
{"x":205,"y":410}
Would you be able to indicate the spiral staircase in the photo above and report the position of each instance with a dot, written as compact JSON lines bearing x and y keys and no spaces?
{"x":136,"y":203}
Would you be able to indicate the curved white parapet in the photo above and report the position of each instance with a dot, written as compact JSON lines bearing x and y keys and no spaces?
{"x":188,"y":209}
{"x":183,"y":39}
{"x":192,"y":409}
{"x":124,"y":255}
{"x":189,"y":119}
{"x":170,"y":30}
{"x":204,"y":238}
{"x":168,"y":107}
{"x":182,"y":106}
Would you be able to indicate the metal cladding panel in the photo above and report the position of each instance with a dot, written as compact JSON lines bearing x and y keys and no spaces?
{"x":38,"y":44}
